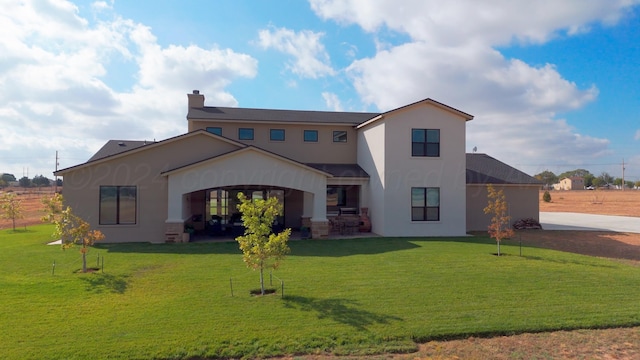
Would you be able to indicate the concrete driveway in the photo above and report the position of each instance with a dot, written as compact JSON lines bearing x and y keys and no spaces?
{"x":588,"y":222}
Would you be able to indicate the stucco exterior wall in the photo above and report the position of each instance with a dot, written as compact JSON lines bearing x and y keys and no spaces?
{"x":403,"y":171}
{"x":523,"y":202}
{"x":371,"y":158}
{"x":293,"y":147}
{"x":141,"y":168}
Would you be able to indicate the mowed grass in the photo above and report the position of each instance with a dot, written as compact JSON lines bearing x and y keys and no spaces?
{"x":358,"y":296}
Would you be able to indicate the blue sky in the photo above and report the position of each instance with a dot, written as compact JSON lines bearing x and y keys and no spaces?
{"x":553,"y":85}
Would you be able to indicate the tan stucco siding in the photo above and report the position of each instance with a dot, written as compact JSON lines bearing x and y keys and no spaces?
{"x":403,"y":171}
{"x":294,"y":146}
{"x":142,"y":169}
{"x":522,"y":200}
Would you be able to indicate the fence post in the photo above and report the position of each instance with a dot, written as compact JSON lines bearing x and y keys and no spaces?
{"x":231,"y":285}
{"x":270,"y":278}
{"x":281,"y":289}
{"x":102,"y":264}
{"x":53,"y":268}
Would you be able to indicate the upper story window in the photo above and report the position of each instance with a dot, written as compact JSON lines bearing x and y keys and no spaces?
{"x":215,"y":130}
{"x":311,"y":135}
{"x":425,"y":142}
{"x":425,"y":204}
{"x":276,"y":135}
{"x":245,"y":134}
{"x":339,"y":136}
{"x":118,"y":205}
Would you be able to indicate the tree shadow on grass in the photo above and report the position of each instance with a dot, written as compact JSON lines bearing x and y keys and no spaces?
{"x":326,"y":248}
{"x":106,"y":283}
{"x":344,"y":311}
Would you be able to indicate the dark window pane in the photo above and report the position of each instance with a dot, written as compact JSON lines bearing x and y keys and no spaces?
{"x":245,"y":134}
{"x":417,"y":135}
{"x":108,"y":205}
{"x":215,"y":130}
{"x":339,"y":136}
{"x":433,"y":136}
{"x":127,"y":205}
{"x":276,"y":135}
{"x":433,"y":214}
{"x":311,"y":135}
{"x":417,"y":149}
{"x":433,"y":150}
{"x":417,"y":214}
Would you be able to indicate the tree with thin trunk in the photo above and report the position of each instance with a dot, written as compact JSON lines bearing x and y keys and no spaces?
{"x":70,"y":228}
{"x":500,"y":221}
{"x":261,"y":248}
{"x":11,"y":208}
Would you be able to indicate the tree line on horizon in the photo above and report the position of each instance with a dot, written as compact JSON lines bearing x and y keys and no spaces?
{"x":548,"y":178}
{"x":37,"y":181}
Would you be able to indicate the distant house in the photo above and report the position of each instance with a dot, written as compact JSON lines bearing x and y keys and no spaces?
{"x":406,"y":167}
{"x":570,"y":183}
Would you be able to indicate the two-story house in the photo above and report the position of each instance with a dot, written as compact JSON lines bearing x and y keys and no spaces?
{"x":406,"y":166}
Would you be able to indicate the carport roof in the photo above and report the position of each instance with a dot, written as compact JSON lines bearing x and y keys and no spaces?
{"x":483,"y":169}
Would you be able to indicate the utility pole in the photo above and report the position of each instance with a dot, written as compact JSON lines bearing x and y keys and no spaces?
{"x":55,"y":188}
{"x":623,"y":184}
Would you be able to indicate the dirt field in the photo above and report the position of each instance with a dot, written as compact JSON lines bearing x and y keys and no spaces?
{"x":31,"y":206}
{"x":579,"y":344}
{"x":604,"y":202}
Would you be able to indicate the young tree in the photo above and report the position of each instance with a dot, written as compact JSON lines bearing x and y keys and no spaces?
{"x":499,"y":228}
{"x":11,"y":208}
{"x":71,"y":229}
{"x":261,"y":248}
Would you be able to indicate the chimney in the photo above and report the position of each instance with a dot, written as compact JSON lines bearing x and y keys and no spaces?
{"x":196,"y":100}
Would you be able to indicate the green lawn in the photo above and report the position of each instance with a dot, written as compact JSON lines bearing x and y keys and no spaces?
{"x":357,"y":296}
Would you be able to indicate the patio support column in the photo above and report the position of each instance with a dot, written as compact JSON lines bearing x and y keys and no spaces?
{"x":174,"y":225}
{"x":319,"y":222}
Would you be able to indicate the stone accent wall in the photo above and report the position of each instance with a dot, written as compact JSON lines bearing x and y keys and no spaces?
{"x":173,"y":232}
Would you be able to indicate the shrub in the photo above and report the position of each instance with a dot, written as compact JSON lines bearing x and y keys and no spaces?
{"x":546,"y":197}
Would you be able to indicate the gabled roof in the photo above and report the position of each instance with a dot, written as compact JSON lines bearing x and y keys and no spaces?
{"x":275,"y":116}
{"x":483,"y":169}
{"x":247,"y":148}
{"x":429,"y":101}
{"x":113,"y":147}
{"x":341,"y":170}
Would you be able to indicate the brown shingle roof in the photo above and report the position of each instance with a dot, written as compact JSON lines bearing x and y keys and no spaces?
{"x":268,"y":115}
{"x":483,"y":169}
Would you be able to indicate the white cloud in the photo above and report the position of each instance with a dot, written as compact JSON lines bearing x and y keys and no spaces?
{"x":53,"y":67}
{"x":451,"y":57}
{"x":332,"y":101}
{"x":310,"y":59}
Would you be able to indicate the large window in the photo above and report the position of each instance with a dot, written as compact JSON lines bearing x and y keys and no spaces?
{"x":311,"y":135}
{"x":276,"y":135}
{"x":425,"y":142}
{"x":214,"y":130}
{"x":245,"y":134}
{"x":425,"y":204}
{"x":118,"y":205}
{"x":340,"y":136}
{"x":336,"y":196}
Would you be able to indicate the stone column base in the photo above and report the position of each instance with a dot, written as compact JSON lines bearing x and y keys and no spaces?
{"x":173,"y":232}
{"x":319,"y":229}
